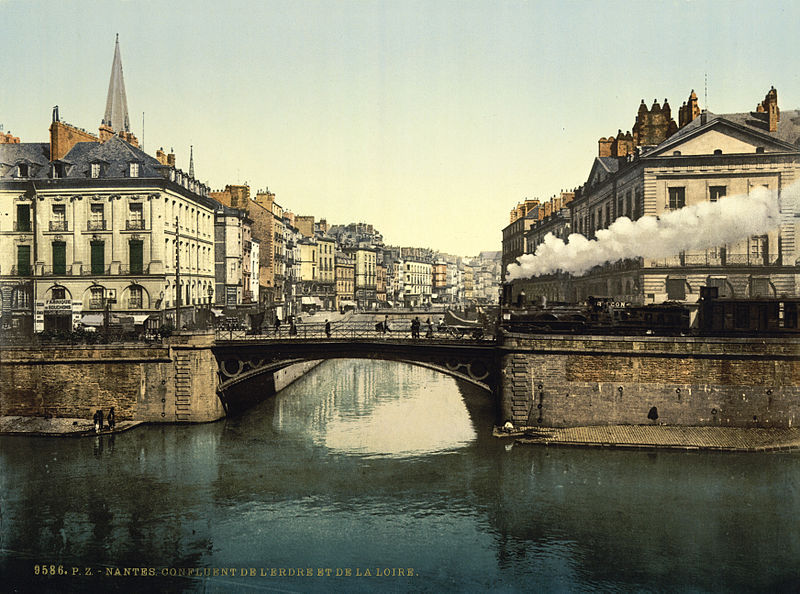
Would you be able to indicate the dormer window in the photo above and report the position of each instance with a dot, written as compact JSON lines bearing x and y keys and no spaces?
{"x":58,"y":170}
{"x":95,"y":170}
{"x":22,"y":170}
{"x":133,"y":170}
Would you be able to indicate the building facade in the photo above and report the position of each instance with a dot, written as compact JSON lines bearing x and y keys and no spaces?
{"x":703,"y":159}
{"x":99,"y":225}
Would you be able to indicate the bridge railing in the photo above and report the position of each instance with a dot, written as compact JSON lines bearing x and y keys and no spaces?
{"x":355,"y":331}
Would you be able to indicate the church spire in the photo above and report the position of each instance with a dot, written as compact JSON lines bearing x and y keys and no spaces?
{"x":191,"y":161}
{"x":116,"y":116}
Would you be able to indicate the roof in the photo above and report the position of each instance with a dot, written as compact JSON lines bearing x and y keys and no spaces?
{"x":114,"y":155}
{"x":788,"y":126}
{"x":610,"y":164}
{"x":35,"y":154}
{"x":750,"y":130}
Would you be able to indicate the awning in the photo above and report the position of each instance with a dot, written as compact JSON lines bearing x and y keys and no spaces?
{"x":345,"y":303}
{"x":92,"y":320}
{"x":140,"y":318}
{"x":216,"y":312}
{"x":311,"y":301}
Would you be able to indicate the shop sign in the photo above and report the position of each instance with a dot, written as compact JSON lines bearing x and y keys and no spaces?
{"x":56,"y":306}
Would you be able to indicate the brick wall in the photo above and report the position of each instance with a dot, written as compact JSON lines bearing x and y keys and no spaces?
{"x":566,"y":381}
{"x":63,"y":137}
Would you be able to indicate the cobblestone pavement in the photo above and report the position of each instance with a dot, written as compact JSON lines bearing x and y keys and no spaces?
{"x":659,"y":436}
{"x":56,"y":426}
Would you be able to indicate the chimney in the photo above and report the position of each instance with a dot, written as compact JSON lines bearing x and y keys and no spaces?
{"x":604,"y":146}
{"x":689,"y":110}
{"x":171,"y":159}
{"x":105,"y":132}
{"x":161,"y":156}
{"x":63,"y":137}
{"x":770,"y":106}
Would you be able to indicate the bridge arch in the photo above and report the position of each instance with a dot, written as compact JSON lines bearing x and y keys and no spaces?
{"x":243,"y":362}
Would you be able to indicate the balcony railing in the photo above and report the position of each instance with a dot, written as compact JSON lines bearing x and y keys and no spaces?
{"x":56,"y":270}
{"x":710,"y":259}
{"x":97,"y":225}
{"x":21,"y":271}
{"x":133,"y":269}
{"x":59,"y":226}
{"x":134,"y":225}
{"x":95,"y":270}
{"x":22,"y":226}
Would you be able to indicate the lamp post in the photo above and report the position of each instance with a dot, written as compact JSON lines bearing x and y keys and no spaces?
{"x":177,"y":275}
{"x":109,"y":297}
{"x":210,"y":295}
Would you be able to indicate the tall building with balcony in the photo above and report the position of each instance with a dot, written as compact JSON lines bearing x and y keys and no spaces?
{"x":365,"y":276}
{"x":95,"y":222}
{"x":233,"y":254}
{"x":98,"y":223}
{"x":345,"y":281}
{"x":325,"y":286}
{"x":417,"y":283}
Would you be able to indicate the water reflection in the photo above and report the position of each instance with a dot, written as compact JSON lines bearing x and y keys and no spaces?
{"x":376,"y":409}
{"x":299,"y":482}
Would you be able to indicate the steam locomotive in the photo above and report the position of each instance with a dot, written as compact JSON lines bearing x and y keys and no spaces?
{"x":712,"y":315}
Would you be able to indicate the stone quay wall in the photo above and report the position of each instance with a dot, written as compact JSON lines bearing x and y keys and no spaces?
{"x":568,"y":381}
{"x":173,"y":382}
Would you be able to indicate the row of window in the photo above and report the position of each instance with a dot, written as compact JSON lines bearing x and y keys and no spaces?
{"x":21,"y":297}
{"x":97,"y":251}
{"x":59,"y":170}
{"x":96,"y":221}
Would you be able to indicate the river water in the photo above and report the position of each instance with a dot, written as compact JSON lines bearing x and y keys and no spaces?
{"x":373,"y":467}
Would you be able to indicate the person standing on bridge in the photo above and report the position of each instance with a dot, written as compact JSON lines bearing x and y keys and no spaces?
{"x":385,"y":324}
{"x":415,"y":324}
{"x":327,"y":328}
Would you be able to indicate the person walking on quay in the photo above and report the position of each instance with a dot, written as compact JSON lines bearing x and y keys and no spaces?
{"x":112,"y":419}
{"x":429,"y":333}
{"x":385,"y":323}
{"x":415,"y":327}
{"x":277,"y":325}
{"x":98,"y":421}
{"x":327,"y":328}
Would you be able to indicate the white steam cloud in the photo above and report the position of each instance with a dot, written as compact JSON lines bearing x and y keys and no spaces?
{"x":700,"y":226}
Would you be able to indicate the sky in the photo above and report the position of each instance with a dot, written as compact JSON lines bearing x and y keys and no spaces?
{"x":430,"y":120}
